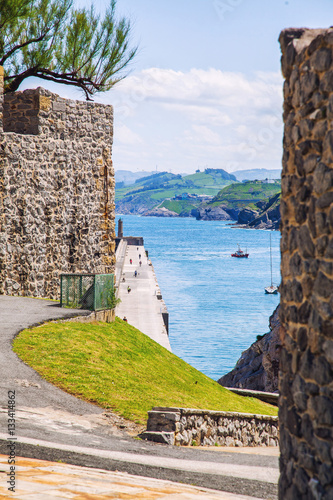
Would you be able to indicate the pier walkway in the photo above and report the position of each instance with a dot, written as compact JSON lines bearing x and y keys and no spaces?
{"x":143,"y":305}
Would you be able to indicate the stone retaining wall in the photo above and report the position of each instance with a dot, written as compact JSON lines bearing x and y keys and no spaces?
{"x":105,"y":316}
{"x":190,"y":427}
{"x":56,"y":191}
{"x":306,"y":367}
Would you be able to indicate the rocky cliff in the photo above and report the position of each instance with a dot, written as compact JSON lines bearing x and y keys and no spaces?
{"x":258,"y":367}
{"x":220,"y":212}
{"x":269,"y":216}
{"x":160,"y":212}
{"x":265,"y":215}
{"x":136,"y":204}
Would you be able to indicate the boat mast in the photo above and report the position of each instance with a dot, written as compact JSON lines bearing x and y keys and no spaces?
{"x":270,"y":247}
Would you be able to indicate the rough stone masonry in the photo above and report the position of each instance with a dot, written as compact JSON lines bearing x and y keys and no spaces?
{"x":191,"y":427}
{"x":56,"y":191}
{"x":306,"y":367}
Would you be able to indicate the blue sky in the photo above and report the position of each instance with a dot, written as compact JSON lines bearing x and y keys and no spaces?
{"x":205,"y":89}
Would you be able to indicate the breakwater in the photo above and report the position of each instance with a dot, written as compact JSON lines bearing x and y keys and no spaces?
{"x":141,"y":299}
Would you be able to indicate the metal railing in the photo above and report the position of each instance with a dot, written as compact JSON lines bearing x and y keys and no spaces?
{"x":87,"y":291}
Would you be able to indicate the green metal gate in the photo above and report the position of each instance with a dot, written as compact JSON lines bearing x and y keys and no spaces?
{"x":87,"y":291}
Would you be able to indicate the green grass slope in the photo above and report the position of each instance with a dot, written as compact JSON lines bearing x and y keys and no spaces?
{"x":245,"y":194}
{"x":116,"y":366}
{"x":181,"y":206}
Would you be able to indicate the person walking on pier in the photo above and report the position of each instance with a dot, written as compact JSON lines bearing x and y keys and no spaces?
{"x":128,"y":289}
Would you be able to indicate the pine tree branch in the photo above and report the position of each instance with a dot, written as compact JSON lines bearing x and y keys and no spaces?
{"x":64,"y":45}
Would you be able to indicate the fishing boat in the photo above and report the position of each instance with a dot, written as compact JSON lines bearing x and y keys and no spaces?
{"x":272,"y":289}
{"x":240,"y":254}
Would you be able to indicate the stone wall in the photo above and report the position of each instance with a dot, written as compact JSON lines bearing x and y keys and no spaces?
{"x":1,"y":98}
{"x":21,"y":112}
{"x":189,"y":427}
{"x":306,"y":369}
{"x":56,"y":191}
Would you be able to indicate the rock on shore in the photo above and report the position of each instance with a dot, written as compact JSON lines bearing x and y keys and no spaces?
{"x":258,"y":367}
{"x":247,"y":215}
{"x":266,"y":216}
{"x":220,"y":212}
{"x":269,"y":216}
{"x":160,"y":212}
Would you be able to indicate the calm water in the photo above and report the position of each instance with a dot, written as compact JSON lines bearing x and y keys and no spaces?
{"x":216,"y":303}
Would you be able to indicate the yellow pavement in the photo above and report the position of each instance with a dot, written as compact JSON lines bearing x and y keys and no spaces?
{"x":43,"y":480}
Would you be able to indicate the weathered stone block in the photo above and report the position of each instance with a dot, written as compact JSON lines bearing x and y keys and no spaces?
{"x":324,"y":201}
{"x":323,"y":286}
{"x":159,"y":437}
{"x":321,"y":60}
{"x":44,"y":103}
{"x":322,"y":407}
{"x":310,"y":163}
{"x":59,"y":106}
{"x":309,"y":83}
{"x":305,"y":243}
{"x":326,"y":83}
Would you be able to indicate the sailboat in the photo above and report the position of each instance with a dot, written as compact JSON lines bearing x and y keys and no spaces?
{"x":271,"y":289}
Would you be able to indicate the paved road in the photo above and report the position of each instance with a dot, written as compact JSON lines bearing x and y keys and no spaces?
{"x":17,"y":313}
{"x":53,"y":425}
{"x":246,"y":474}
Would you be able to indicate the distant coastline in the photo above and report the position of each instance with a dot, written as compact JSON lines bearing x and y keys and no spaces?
{"x":210,"y":195}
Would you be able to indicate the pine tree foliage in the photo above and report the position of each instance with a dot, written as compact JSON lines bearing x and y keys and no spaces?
{"x":53,"y":40}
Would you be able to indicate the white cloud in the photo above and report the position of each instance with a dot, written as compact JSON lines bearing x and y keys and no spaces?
{"x":199,"y":88}
{"x":202,"y":133}
{"x":125,"y":135}
{"x":185,"y":118}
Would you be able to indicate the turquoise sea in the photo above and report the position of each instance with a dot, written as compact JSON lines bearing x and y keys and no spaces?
{"x":216,"y":303}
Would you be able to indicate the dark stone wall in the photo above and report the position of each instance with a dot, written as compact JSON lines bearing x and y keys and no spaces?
{"x":306,"y":366}
{"x":56,"y":191}
{"x":21,"y":112}
{"x":1,"y":96}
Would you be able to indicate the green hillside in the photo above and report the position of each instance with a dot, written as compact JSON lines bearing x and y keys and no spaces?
{"x":117,"y":367}
{"x":149,"y":192}
{"x":245,"y":194}
{"x":181,"y":206}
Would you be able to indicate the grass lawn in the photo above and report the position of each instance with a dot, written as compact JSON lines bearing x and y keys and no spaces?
{"x":240,"y":193}
{"x":179,"y":206}
{"x":117,"y":367}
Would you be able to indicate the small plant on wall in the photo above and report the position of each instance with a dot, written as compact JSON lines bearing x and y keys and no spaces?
{"x":112,"y":300}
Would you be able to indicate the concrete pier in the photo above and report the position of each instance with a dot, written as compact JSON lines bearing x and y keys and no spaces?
{"x":143,"y":306}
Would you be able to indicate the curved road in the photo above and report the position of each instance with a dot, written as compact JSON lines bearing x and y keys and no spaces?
{"x":53,"y":425}
{"x":16,"y":314}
